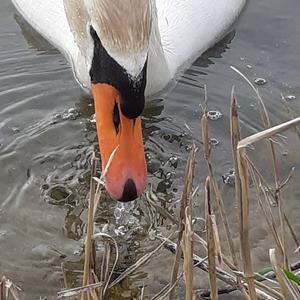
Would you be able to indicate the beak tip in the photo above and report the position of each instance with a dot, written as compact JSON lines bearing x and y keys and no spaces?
{"x":129,"y":192}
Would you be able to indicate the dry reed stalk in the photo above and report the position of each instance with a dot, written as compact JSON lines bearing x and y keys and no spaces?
{"x":78,"y":291}
{"x":220,"y":273}
{"x":244,"y":224}
{"x":289,"y":291}
{"x":8,"y":288}
{"x":267,"y":124}
{"x":235,"y":138}
{"x":187,"y":249}
{"x":90,"y":230}
{"x":268,"y":133}
{"x":220,"y":204}
{"x":211,"y":244}
{"x":185,"y":201}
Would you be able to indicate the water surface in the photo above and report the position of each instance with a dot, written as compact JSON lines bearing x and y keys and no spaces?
{"x":47,"y":136}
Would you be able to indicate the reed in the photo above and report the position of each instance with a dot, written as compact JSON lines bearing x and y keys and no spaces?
{"x":237,"y":276}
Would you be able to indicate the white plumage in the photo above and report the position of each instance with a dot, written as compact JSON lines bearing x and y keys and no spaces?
{"x":181,"y":31}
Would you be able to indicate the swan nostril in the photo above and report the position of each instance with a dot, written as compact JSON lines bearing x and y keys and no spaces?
{"x":129,"y":192}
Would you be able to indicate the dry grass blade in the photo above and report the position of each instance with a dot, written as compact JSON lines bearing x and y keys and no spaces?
{"x":161,"y":210}
{"x":8,"y":288}
{"x":235,"y":138}
{"x":139,"y":263}
{"x":107,"y":277}
{"x":244,"y":224}
{"x":221,"y":274}
{"x":268,"y":133}
{"x":205,"y":139}
{"x":289,"y":291}
{"x":211,"y":245}
{"x":78,"y":291}
{"x":266,"y":123}
{"x":185,"y":200}
{"x":262,"y":109}
{"x":90,"y":229}
{"x":187,"y":249}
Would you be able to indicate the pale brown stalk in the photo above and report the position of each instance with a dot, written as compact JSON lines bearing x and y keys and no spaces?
{"x":289,"y":291}
{"x":219,"y":200}
{"x":90,"y":230}
{"x":185,"y":200}
{"x":211,"y":245}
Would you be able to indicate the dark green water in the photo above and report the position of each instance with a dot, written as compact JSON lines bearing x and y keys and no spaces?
{"x":47,"y":138}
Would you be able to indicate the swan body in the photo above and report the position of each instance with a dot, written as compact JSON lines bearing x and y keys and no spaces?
{"x":122,"y":51}
{"x":181,"y":31}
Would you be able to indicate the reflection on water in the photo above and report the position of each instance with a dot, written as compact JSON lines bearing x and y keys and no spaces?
{"x":48,"y":135}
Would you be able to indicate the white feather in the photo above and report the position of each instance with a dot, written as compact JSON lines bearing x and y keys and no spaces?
{"x":181,"y":31}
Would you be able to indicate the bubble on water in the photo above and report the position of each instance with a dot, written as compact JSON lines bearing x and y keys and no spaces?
{"x":71,"y":114}
{"x":152,"y":234}
{"x":121,"y":230}
{"x":57,"y":116}
{"x":15,"y":129}
{"x":188,"y":148}
{"x":198,"y":224}
{"x":77,"y":252}
{"x":148,"y":156}
{"x":169,"y":175}
{"x":260,"y":81}
{"x":214,"y":115}
{"x":214,"y":142}
{"x":229,"y":177}
{"x":290,"y":97}
{"x":93,"y":119}
{"x":118,"y":213}
{"x":3,"y":233}
{"x":136,"y":244}
{"x":173,"y":160}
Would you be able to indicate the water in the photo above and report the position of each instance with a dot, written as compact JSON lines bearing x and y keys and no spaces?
{"x":47,"y":136}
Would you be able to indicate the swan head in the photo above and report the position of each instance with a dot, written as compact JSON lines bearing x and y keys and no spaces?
{"x":118,"y":80}
{"x":113,"y":40}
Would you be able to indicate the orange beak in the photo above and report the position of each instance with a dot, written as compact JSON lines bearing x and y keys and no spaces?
{"x":126,"y":175}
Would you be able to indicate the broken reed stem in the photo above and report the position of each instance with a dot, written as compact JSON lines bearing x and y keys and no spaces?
{"x":235,"y":138}
{"x":90,"y":229}
{"x":241,"y":193}
{"x":244,"y":224}
{"x":187,"y":249}
{"x":205,"y":140}
{"x":211,"y":245}
{"x":185,"y":201}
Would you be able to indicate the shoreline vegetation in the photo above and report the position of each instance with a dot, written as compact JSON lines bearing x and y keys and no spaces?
{"x":235,"y":269}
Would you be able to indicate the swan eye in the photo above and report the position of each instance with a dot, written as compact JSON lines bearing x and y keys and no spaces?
{"x":116,"y":118}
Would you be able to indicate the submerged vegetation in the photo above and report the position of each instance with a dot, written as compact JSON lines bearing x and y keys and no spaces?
{"x":228,"y":269}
